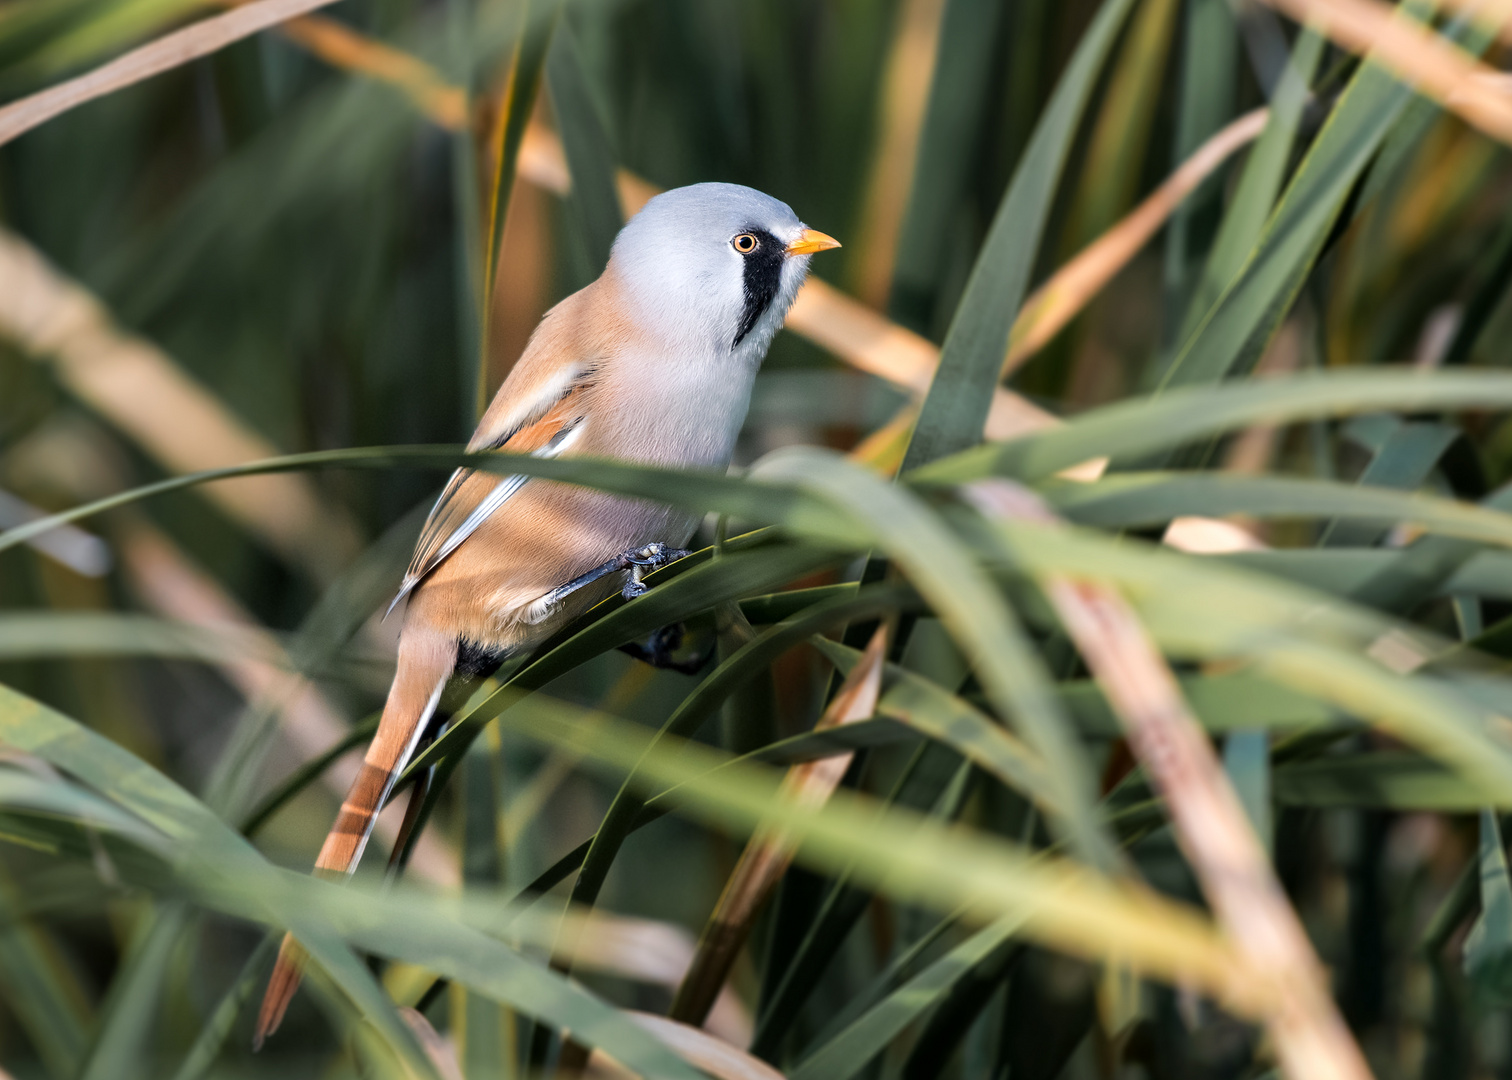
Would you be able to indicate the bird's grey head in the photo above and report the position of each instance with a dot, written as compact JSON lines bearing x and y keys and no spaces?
{"x":715,"y":263}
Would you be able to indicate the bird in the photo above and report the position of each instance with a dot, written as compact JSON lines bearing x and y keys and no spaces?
{"x":651,"y":363}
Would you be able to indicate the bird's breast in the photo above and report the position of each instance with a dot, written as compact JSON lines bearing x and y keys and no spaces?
{"x":683,"y":411}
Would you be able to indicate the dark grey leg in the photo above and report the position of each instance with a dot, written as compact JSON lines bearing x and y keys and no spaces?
{"x":637,"y":560}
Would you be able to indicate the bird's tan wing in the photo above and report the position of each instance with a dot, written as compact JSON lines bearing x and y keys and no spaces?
{"x":546,"y":428}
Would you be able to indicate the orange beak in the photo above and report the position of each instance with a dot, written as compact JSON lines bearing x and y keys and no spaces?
{"x":810,"y":241}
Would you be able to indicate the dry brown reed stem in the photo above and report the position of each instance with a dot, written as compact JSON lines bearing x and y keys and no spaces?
{"x":162,"y":54}
{"x":1417,"y":55}
{"x":700,"y":1049}
{"x":339,"y":46}
{"x":872,"y":343}
{"x":1054,"y":304}
{"x":905,"y":99}
{"x":141,"y":391}
{"x":1496,"y":14}
{"x":767,"y":854}
{"x":1311,"y":1040}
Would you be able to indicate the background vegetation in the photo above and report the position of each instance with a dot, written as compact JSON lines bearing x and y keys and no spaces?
{"x":1204,"y":645}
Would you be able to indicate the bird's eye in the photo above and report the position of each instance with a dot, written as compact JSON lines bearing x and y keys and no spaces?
{"x":745,"y":243}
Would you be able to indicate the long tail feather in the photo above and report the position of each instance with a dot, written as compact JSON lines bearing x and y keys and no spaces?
{"x":426,"y":659}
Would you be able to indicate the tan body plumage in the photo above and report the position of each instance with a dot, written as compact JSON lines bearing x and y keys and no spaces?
{"x":652,"y":363}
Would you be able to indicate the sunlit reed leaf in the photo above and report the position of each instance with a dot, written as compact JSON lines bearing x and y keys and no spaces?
{"x":1144,"y":426}
{"x":219,"y":868}
{"x":1136,"y":499}
{"x":948,"y":865}
{"x":933,"y":711}
{"x":985,"y":628}
{"x":1209,"y":821}
{"x":1329,"y":650}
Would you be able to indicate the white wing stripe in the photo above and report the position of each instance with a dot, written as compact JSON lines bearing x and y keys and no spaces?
{"x":501,"y":493}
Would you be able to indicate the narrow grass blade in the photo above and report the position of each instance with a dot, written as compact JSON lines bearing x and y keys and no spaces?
{"x":933,"y":711}
{"x":1246,"y":214}
{"x":851,"y":1051}
{"x":956,"y":408}
{"x":1235,"y":331}
{"x":41,"y":988}
{"x":207,"y":1045}
{"x":713,"y":1056}
{"x":515,"y":103}
{"x":742,"y":665}
{"x":969,"y":606}
{"x":930,"y":770}
{"x":1126,"y":500}
{"x":129,"y":1014}
{"x":1310,"y":1034}
{"x":958,"y":97}
{"x":1207,"y":89}
{"x":1488,"y":948}
{"x":917,"y":861}
{"x":223,"y":871}
{"x":1120,"y":136}
{"x":1143,"y":427}
{"x":25,"y":635}
{"x":1072,"y":287}
{"x":1246,"y":760}
{"x":1443,"y":71}
{"x":146,"y":395}
{"x":1385,"y":780}
{"x":767,"y":856}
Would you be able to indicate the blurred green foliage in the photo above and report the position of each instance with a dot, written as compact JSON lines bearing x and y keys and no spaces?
{"x":308,"y":246}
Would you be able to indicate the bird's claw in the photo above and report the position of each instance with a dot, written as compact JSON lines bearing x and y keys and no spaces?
{"x":638,"y":561}
{"x":644,"y":559}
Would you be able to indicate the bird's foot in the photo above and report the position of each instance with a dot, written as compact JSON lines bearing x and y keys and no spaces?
{"x":639,"y":561}
{"x":643,"y":560}
{"x":660,"y":648}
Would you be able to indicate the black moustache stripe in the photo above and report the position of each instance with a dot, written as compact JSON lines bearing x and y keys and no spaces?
{"x":763,"y":277}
